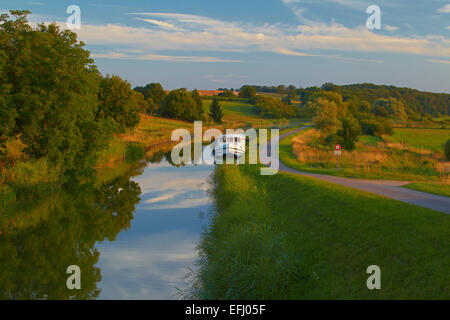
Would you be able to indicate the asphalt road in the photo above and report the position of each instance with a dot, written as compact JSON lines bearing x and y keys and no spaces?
{"x":386,"y":188}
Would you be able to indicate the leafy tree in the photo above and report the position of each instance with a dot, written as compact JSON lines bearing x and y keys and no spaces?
{"x":269,"y":107}
{"x":152,"y":91}
{"x":140,"y":102}
{"x":364,"y":107}
{"x":328,"y":86}
{"x":349,"y":133}
{"x":380,"y":110}
{"x":390,"y":107}
{"x":117,"y":102}
{"x":180,"y":104}
{"x":199,"y":110}
{"x":326,"y":118}
{"x":216,"y":111}
{"x":376,"y":127}
{"x":226,"y":93}
{"x":281,"y":89}
{"x":342,"y":107}
{"x":48,"y":87}
{"x":152,"y":107}
{"x":247,"y":92}
{"x":447,"y":150}
{"x":291,"y":91}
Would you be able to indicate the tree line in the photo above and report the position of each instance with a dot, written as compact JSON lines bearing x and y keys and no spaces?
{"x":417,"y":104}
{"x":54,"y":103}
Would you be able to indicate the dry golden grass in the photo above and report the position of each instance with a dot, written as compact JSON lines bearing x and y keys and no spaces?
{"x":153,"y":131}
{"x":396,"y":159}
{"x":154,"y":134}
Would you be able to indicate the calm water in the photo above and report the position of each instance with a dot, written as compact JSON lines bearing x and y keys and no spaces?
{"x":133,"y":237}
{"x":149,"y":260}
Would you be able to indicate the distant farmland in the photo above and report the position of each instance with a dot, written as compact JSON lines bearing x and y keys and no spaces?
{"x":432,"y":139}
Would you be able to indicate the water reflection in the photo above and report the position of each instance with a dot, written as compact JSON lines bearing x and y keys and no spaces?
{"x":151,"y":259}
{"x":63,"y":231}
{"x":133,"y":235}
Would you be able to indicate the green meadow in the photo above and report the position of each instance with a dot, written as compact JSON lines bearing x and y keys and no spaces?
{"x":293,"y":237}
{"x":432,"y":139}
{"x":237,"y":111}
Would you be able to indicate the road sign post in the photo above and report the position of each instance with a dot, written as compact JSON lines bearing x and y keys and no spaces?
{"x":337,"y":153}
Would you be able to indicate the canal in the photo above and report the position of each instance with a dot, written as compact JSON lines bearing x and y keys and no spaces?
{"x":133,"y":235}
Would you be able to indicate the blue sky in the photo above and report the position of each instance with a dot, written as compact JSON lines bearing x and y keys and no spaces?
{"x":210,"y":44}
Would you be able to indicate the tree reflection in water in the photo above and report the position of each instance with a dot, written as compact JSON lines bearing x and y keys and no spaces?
{"x":39,"y":242}
{"x":52,"y":232}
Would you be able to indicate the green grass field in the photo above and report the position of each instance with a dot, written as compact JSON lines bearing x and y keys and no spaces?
{"x":293,"y":237}
{"x":441,"y":189}
{"x":233,"y":111}
{"x":394,"y":162}
{"x":243,"y":113}
{"x":432,"y":139}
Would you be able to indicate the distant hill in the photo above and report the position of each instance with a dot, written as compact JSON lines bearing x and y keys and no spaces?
{"x":420,"y":101}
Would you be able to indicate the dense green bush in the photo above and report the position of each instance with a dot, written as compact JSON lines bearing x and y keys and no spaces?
{"x":349,"y":132}
{"x":226,"y":93}
{"x":247,"y":92}
{"x":49,"y":89}
{"x":134,"y":152}
{"x":117,"y":102}
{"x":153,"y":91}
{"x":269,"y":107}
{"x":447,"y":150}
{"x":54,"y":99}
{"x":376,"y":127}
{"x":182,"y":104}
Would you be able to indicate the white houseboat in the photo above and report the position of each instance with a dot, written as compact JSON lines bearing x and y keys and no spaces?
{"x":230,"y":145}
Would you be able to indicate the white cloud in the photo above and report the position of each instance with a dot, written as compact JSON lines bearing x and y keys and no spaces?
{"x":439,"y":61}
{"x":444,"y":9}
{"x":158,"y":57}
{"x":286,"y":2}
{"x":390,"y":28}
{"x":206,"y":34}
{"x":353,"y":60}
{"x":194,"y":33}
{"x":160,"y":24}
{"x":292,"y":52}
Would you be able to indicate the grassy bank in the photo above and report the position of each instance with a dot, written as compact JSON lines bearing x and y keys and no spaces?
{"x":292,"y":237}
{"x":442,"y":189}
{"x":372,"y":159}
{"x":29,"y":178}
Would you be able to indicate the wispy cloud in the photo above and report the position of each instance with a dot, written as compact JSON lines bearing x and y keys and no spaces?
{"x":159,"y":57}
{"x":160,"y":24}
{"x":439,"y":61}
{"x":292,"y":52}
{"x":196,"y":33}
{"x":390,"y":28}
{"x":163,"y":32}
{"x":444,"y":9}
